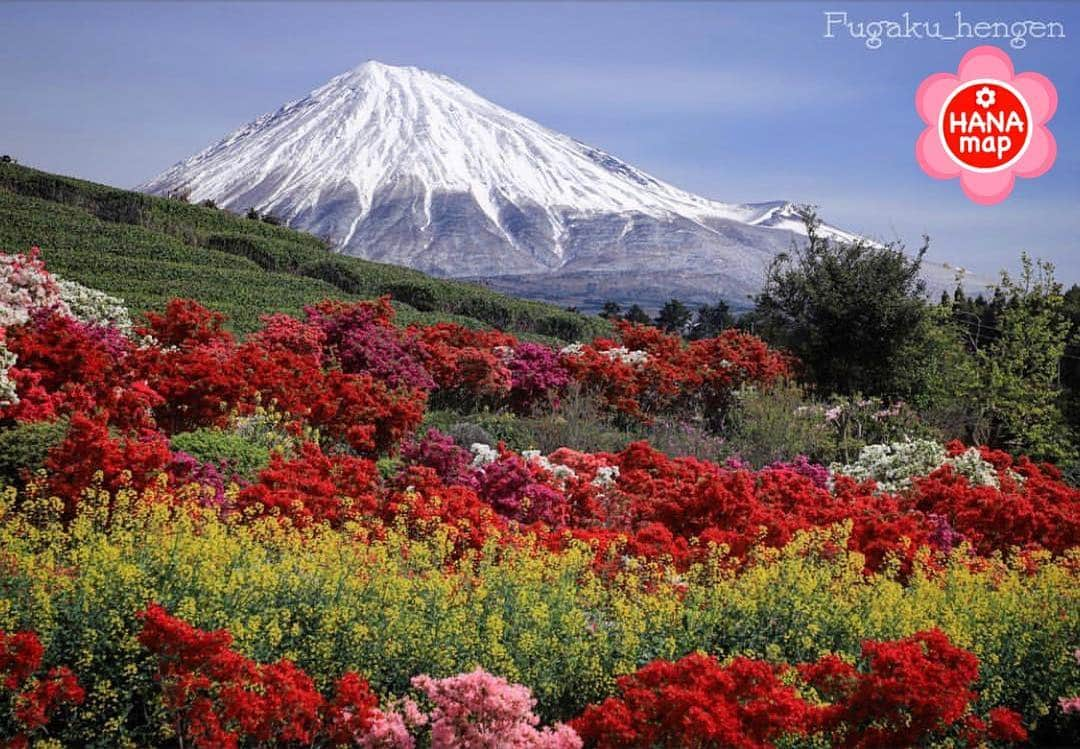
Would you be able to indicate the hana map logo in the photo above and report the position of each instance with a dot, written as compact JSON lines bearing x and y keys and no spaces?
{"x":986,"y":125}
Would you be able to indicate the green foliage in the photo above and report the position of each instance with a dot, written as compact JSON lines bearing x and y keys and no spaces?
{"x":711,"y":319}
{"x":147,"y":250}
{"x":686,"y":438}
{"x":240,"y":453}
{"x":777,"y":425}
{"x":1019,"y":389}
{"x":577,"y":421}
{"x":674,"y":316}
{"x":24,"y":447}
{"x":847,"y":309}
{"x":938,"y":376}
{"x":637,"y":315}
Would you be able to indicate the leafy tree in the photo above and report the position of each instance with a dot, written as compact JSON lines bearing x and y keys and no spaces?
{"x":637,"y":315}
{"x":1020,"y":389}
{"x":937,"y":374}
{"x":674,"y":316}
{"x":846,"y":308}
{"x":710,"y":320}
{"x":1070,"y":362}
{"x":252,"y":214}
{"x":611,"y":310}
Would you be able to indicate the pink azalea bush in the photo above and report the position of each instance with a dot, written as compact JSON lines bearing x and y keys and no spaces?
{"x":480,"y":711}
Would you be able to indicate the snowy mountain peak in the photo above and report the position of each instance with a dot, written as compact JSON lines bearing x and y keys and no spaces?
{"x":378,"y":123}
{"x":407,"y":166}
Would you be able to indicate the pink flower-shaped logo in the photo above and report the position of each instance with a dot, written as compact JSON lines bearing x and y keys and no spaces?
{"x":986,"y":125}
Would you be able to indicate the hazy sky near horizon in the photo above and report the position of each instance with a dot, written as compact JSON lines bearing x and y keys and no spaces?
{"x":740,"y":102}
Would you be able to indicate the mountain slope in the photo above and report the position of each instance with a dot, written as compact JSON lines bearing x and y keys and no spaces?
{"x":405,"y":166}
{"x":147,"y":250}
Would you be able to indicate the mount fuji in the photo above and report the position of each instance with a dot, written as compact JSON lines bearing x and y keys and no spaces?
{"x":404,"y":166}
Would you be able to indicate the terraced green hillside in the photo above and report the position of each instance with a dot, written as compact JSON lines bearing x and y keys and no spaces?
{"x":148,"y":250}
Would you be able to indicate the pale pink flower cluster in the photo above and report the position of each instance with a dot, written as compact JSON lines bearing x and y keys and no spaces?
{"x":477,"y":710}
{"x":25,"y":286}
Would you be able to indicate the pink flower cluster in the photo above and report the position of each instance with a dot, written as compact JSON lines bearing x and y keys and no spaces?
{"x":480,"y":711}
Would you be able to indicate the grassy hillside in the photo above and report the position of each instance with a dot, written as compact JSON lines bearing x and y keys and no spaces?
{"x":147,"y":250}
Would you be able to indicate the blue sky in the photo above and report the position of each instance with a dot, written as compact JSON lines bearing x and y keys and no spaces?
{"x":736,"y":101}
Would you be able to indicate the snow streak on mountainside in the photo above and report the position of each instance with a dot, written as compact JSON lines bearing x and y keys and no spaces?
{"x":405,"y":166}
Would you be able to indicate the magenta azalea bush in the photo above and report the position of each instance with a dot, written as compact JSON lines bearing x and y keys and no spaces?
{"x":536,"y":375}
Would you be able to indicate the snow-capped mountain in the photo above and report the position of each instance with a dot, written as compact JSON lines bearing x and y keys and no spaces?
{"x":406,"y":166}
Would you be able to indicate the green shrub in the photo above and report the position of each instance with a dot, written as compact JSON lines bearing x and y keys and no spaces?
{"x":777,"y":425}
{"x":683,"y":438}
{"x":240,"y":453}
{"x":416,"y":294}
{"x":24,"y":447}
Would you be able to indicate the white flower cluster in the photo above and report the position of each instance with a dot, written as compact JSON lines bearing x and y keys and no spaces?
{"x":95,"y":307}
{"x":606,"y":476}
{"x":483,"y":455}
{"x":8,"y":395}
{"x":893,"y":465}
{"x":24,"y":287}
{"x":971,"y":465}
{"x":560,"y":472}
{"x":626,"y":356}
{"x":623,"y":354}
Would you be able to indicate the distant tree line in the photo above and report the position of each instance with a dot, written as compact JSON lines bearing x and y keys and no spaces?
{"x":676,"y":317}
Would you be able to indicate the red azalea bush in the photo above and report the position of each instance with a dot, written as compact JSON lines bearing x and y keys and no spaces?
{"x":185,"y":322}
{"x":902,"y":693}
{"x":216,"y":697}
{"x":1031,"y":507}
{"x":652,"y":372}
{"x":663,"y":503}
{"x":420,"y":498}
{"x":313,"y":488}
{"x":29,"y":699}
{"x":219,"y":698}
{"x":696,"y":701}
{"x":89,"y":449}
{"x":468,"y":366}
{"x":346,"y":372}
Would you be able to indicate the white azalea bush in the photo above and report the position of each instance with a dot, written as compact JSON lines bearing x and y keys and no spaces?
{"x":894,"y":464}
{"x":95,"y":307}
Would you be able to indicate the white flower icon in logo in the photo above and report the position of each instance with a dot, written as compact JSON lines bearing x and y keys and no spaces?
{"x":985,"y":96}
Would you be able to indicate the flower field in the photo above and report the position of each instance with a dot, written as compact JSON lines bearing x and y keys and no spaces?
{"x":210,"y":541}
